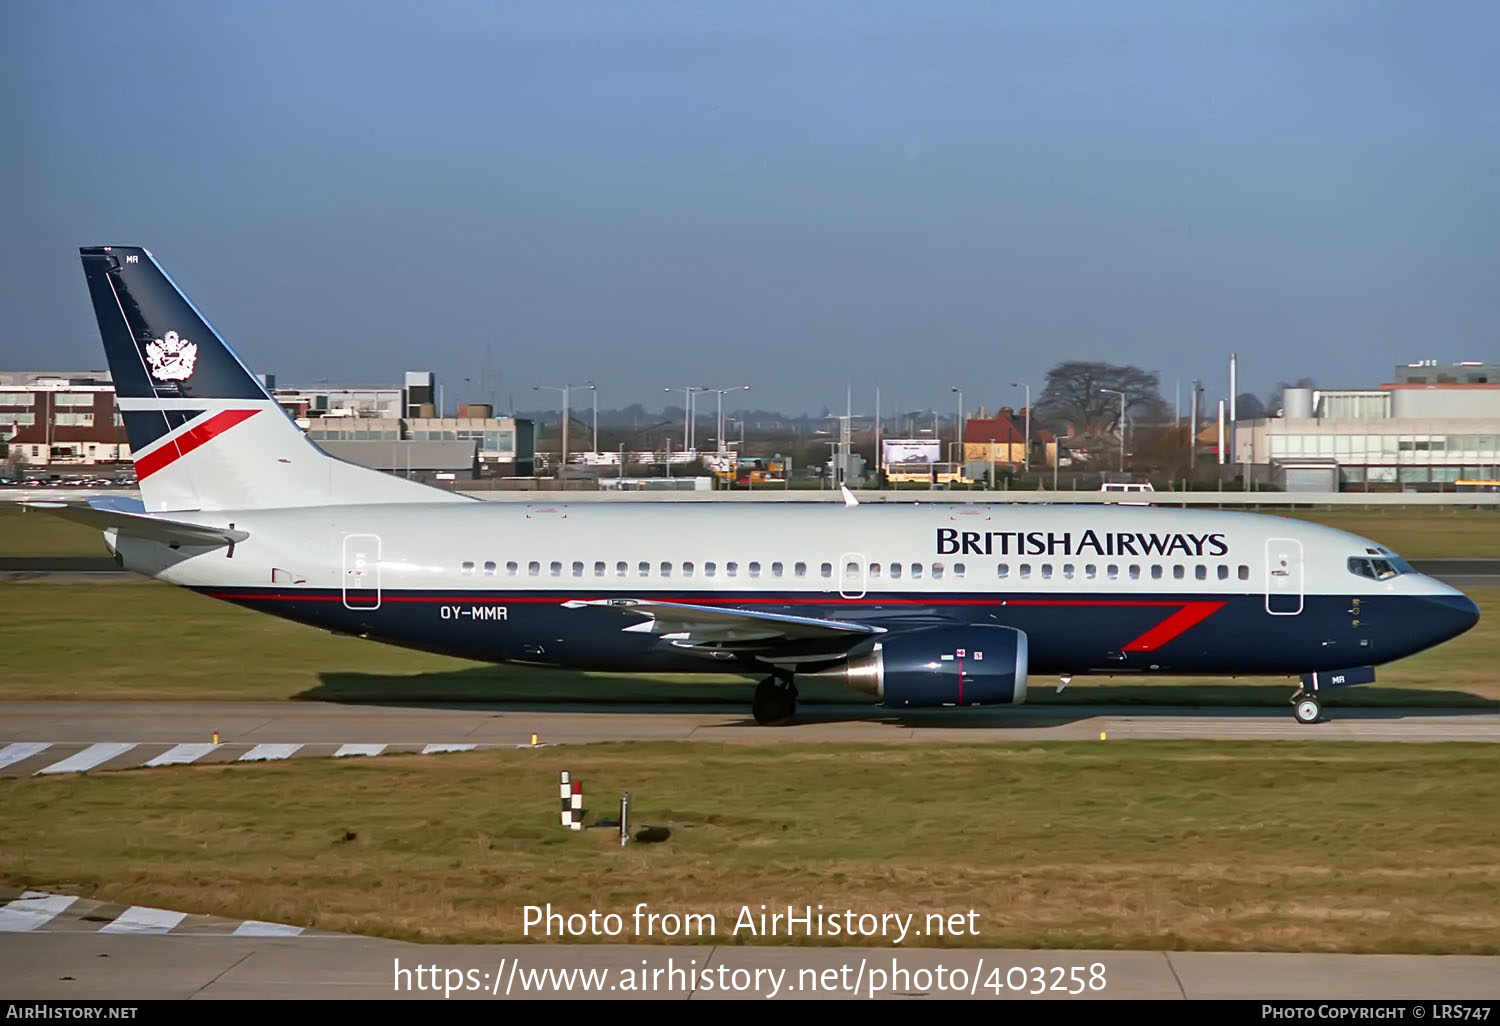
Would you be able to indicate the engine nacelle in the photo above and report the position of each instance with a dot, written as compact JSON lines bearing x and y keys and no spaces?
{"x":937,"y":666}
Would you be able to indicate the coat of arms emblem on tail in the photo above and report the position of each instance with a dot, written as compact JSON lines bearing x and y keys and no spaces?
{"x":171,"y":357}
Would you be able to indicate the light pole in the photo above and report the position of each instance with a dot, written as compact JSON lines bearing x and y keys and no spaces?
{"x":1115,"y":391}
{"x":562,"y":479}
{"x":960,"y":428}
{"x":1027,"y":456}
{"x":721,"y":391}
{"x":689,"y":425}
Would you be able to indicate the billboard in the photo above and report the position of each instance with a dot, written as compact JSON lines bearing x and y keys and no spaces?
{"x":911,"y":450}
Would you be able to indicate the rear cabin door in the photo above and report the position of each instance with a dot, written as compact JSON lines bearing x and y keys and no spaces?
{"x":362,"y":571}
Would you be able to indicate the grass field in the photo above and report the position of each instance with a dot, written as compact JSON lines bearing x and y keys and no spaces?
{"x":1177,"y":845}
{"x":103,"y":641}
{"x":1435,"y":532}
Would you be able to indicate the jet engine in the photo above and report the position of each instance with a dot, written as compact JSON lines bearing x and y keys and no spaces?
{"x":936,"y":666}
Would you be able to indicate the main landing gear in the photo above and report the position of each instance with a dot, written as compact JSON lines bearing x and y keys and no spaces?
{"x":775,"y":701}
{"x":1306,"y":707}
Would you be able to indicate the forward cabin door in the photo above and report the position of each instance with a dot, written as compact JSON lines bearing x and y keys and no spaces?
{"x":1283,"y":576}
{"x":362,"y":571}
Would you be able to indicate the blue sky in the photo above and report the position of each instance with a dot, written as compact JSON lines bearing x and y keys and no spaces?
{"x":796,"y":195}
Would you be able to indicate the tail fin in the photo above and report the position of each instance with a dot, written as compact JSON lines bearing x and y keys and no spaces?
{"x":203,"y":432}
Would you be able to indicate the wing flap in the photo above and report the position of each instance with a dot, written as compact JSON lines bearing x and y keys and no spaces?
{"x":141,"y":524}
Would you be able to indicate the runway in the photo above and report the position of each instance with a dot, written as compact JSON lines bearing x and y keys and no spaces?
{"x":57,"y":737}
{"x":86,"y":965}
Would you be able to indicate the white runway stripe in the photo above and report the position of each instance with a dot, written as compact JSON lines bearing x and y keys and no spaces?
{"x":260,"y":752}
{"x":21,"y":750}
{"x":447,"y":748}
{"x":137,"y":919}
{"x":28,"y":913}
{"x":255,"y":928}
{"x":181,"y":754}
{"x":358,"y":750}
{"x":90,"y":757}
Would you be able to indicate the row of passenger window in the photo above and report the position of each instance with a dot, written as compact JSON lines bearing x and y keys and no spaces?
{"x":893,"y":571}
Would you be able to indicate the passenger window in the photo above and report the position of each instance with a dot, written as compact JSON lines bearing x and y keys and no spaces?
{"x":666,"y":569}
{"x":959,"y":570}
{"x":937,"y":570}
{"x":1244,"y":572}
{"x":1179,"y":572}
{"x":577,"y":569}
{"x":489,"y":568}
{"x":1201,"y":572}
{"x":687,"y":568}
{"x":1156,"y":571}
{"x":1112,"y":571}
{"x":731,"y":569}
{"x":1002,"y":570}
{"x":874,"y":569}
{"x":775,"y":569}
{"x":1025,"y":570}
{"x":895,"y":571}
{"x":467,"y":568}
{"x":643,"y":569}
{"x":800,"y":570}
{"x":827,"y":569}
{"x":851,"y":569}
{"x":622,"y":569}
{"x":1223,"y":571}
{"x":512,"y":568}
{"x":533,"y":568}
{"x":1090,"y":572}
{"x":1046,"y":571}
{"x":754,"y":569}
{"x":556,"y":568}
{"x":599,"y":568}
{"x":1068,"y":571}
{"x":709,"y":569}
{"x":1135,"y":571}
{"x":916,"y":570}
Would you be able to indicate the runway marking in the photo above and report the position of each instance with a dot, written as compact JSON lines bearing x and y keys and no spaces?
{"x":139,"y":919}
{"x":31,"y":910}
{"x":21,"y":750}
{"x":87,"y":759}
{"x":181,"y":754}
{"x":358,"y":750}
{"x":430,"y":749}
{"x":256,"y":928}
{"x":264,"y":752}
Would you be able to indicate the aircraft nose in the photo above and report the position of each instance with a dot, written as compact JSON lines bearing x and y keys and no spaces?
{"x":1452,"y":613}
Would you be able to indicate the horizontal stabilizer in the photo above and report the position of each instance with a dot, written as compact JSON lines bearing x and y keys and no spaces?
{"x":141,"y":525}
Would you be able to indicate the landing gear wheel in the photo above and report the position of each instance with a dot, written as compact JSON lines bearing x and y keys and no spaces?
{"x":775,"y":702}
{"x":1307,"y":709}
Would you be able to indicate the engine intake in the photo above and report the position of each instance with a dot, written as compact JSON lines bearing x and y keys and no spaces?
{"x":936,"y":666}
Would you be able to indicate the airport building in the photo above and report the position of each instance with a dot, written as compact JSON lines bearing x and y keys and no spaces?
{"x":61,"y":419}
{"x":1432,"y":427}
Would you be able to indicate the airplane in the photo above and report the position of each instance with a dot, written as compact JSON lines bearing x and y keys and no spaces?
{"x":916,"y":605}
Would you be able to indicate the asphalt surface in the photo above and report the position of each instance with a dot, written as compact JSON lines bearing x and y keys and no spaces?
{"x":41,"y":965}
{"x":139,"y":732}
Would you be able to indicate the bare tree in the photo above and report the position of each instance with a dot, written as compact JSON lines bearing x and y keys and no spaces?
{"x":1074,"y":397}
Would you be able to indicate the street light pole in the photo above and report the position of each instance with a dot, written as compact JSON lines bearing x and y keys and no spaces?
{"x":562,"y":479}
{"x":1027,"y":456}
{"x":721,"y":391}
{"x":1115,"y":391}
{"x":960,"y":428}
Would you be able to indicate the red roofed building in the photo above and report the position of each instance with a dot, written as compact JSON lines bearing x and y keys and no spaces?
{"x":1002,"y":439}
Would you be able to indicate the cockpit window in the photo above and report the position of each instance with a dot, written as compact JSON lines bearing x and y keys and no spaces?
{"x":1377,"y":569}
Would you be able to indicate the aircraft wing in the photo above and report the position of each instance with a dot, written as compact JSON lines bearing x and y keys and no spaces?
{"x":140,"y":524}
{"x":724,"y":628}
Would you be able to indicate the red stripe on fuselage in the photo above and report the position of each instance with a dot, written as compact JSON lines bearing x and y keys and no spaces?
{"x":1179,"y":623}
{"x":176,"y":448}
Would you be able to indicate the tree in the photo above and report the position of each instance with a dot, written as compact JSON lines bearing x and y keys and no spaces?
{"x":1073,"y":397}
{"x":1248,"y":407}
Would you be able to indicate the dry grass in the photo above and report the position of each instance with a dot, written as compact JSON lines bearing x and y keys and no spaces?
{"x":1178,"y":845}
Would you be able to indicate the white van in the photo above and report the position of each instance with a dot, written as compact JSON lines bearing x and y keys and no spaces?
{"x":1128,"y":486}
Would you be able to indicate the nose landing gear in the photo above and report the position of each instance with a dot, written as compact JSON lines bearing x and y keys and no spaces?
{"x":1306,"y":707}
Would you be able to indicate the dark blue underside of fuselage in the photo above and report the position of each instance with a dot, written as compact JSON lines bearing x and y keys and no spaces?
{"x":1067,"y":634}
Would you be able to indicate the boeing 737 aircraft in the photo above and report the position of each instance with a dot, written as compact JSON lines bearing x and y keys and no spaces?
{"x":915,"y":604}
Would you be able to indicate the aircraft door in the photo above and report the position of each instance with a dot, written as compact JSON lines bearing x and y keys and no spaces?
{"x":362,"y":571}
{"x":1283,"y":576}
{"x":853,"y":570}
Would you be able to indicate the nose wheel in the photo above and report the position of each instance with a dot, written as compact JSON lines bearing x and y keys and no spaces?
{"x":775,"y":701}
{"x":1306,"y":707}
